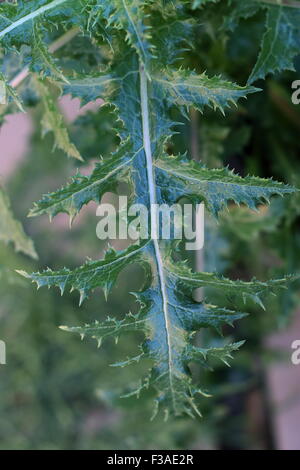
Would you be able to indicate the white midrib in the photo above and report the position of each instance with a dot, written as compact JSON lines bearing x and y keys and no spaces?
{"x":134,"y":28}
{"x":31,"y":16}
{"x":154,"y":227}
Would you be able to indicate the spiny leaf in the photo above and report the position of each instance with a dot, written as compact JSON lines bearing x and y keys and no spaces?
{"x":17,"y":20}
{"x":167,"y":330}
{"x":281,"y":42}
{"x":90,"y":88}
{"x":253,"y":289}
{"x":43,"y":61}
{"x":83,"y":189}
{"x":177,"y":176}
{"x":11,"y":229}
{"x":204,"y":354}
{"x":110,"y":327}
{"x":187,"y":89}
{"x":238,"y":10}
{"x":143,"y":90}
{"x":53,"y":121}
{"x":92,"y":274}
{"x":129,"y":16}
{"x":172,"y":38}
{"x":168,"y":323}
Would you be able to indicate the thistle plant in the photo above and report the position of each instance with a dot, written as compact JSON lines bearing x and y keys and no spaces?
{"x":138,"y":63}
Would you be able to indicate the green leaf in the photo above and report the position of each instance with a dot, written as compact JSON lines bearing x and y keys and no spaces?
{"x":186,"y":89}
{"x":238,"y":10}
{"x":280,"y":44}
{"x":253,"y":289}
{"x":18,"y":20}
{"x":53,"y":121}
{"x":92,"y":274}
{"x":43,"y":62}
{"x":173,"y":38}
{"x":223,"y":354}
{"x":281,"y":40}
{"x":177,"y":176}
{"x":83,"y":189}
{"x":134,"y":77}
{"x":11,"y":229}
{"x":90,"y":88}
{"x":129,"y":16}
{"x":110,"y":327}
{"x":168,"y":326}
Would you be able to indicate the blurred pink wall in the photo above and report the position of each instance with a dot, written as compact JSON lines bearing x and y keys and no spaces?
{"x":284,"y":386}
{"x":14,"y":138}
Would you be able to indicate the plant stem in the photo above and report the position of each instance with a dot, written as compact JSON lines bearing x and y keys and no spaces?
{"x":195,"y":153}
{"x":153,"y":218}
